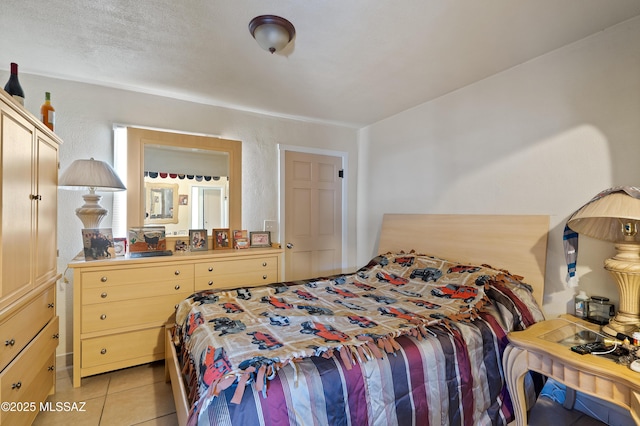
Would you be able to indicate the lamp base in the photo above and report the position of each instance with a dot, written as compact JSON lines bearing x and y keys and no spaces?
{"x":625,"y":269}
{"x":91,"y":213}
{"x":614,"y":327}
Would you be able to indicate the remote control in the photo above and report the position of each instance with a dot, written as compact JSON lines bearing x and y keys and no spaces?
{"x":587,"y":348}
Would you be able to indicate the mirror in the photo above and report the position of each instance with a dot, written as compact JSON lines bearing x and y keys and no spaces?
{"x":161,"y":203}
{"x":190,"y":162}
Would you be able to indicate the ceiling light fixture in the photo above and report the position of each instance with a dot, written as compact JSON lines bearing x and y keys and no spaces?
{"x":272,"y":33}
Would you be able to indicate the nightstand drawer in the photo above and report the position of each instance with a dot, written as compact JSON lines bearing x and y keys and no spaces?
{"x":20,"y":328}
{"x":106,"y":294}
{"x":129,"y":313}
{"x":121,"y":347}
{"x":135,"y":275}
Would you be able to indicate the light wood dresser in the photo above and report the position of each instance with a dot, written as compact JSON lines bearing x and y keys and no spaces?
{"x":28,"y":252}
{"x":121,"y":305}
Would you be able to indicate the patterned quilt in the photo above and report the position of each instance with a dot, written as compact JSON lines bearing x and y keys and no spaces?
{"x":235,"y":340}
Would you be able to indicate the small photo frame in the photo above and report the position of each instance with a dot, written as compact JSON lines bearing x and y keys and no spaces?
{"x":240,"y":239}
{"x":98,"y":243}
{"x":221,"y":239}
{"x":183,"y":199}
{"x":120,"y":246}
{"x":181,"y":245}
{"x":198,"y":240}
{"x":260,"y":239}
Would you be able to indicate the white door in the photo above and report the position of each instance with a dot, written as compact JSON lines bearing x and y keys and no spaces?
{"x":313,"y":215}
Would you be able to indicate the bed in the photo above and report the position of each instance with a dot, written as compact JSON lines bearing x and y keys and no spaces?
{"x":415,"y":336}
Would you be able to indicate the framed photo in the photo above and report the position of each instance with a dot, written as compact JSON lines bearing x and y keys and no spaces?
{"x":120,"y":246}
{"x":260,"y":239}
{"x":221,"y":239}
{"x":240,"y":239}
{"x":181,"y":245}
{"x":147,"y":239}
{"x":183,"y":199}
{"x":198,"y":240}
{"x":98,"y":243}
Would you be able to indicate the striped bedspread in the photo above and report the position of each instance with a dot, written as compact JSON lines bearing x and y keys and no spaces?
{"x":407,"y":340}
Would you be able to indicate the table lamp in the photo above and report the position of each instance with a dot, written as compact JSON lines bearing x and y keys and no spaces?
{"x":613,"y":215}
{"x":96,"y":176}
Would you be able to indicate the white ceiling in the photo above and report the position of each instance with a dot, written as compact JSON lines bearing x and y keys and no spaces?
{"x":352,"y":62}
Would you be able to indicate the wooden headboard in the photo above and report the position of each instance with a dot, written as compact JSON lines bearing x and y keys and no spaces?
{"x":517,"y":243}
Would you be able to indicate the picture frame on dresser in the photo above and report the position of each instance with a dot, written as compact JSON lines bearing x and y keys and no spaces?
{"x":240,"y":239}
{"x":98,"y":243}
{"x":260,"y":239}
{"x":221,"y":239}
{"x":198,"y":240}
{"x":120,"y":246}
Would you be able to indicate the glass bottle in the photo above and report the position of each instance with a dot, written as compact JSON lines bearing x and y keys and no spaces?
{"x":47,"y":112}
{"x":13,"y":85}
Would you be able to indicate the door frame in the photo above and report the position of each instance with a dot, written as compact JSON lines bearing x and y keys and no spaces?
{"x":344,"y":156}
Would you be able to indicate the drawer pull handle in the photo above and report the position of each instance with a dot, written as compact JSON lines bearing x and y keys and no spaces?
{"x":210,"y":283}
{"x":51,"y":368}
{"x":264,"y":263}
{"x":177,"y":287}
{"x":50,"y":305}
{"x":103,"y":279}
{"x":16,"y":385}
{"x":104,"y":295}
{"x":56,"y":336}
{"x":103,"y":351}
{"x":210,"y":268}
{"x":264,"y":277}
{"x":177,"y":272}
{"x":103,"y":317}
{"x":10,"y":342}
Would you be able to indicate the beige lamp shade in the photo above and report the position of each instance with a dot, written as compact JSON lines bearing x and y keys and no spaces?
{"x":90,"y":173}
{"x":614,"y":217}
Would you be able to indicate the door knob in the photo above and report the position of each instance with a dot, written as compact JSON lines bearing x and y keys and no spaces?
{"x":289,"y":245}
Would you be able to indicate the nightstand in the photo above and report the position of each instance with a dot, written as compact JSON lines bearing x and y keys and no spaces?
{"x":545,"y":348}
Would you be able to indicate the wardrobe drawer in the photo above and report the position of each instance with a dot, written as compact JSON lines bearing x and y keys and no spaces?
{"x":18,"y":330}
{"x":236,"y":266}
{"x":121,"y":347}
{"x":18,"y":381}
{"x":129,"y":313}
{"x":34,"y":392}
{"x":106,"y":294}
{"x":135,"y":275}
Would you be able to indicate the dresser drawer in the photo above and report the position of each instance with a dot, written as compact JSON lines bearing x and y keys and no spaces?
{"x":245,"y":279}
{"x":136,"y":275}
{"x":18,"y":330}
{"x":31,"y":369}
{"x":236,"y":266}
{"x":130,"y":313}
{"x":121,"y":347}
{"x":112,"y":293}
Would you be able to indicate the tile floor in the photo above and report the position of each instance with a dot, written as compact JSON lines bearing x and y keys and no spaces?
{"x":133,"y":396}
{"x":139,"y":396}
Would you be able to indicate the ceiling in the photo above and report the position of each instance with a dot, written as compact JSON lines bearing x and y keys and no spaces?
{"x":352,"y":62}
